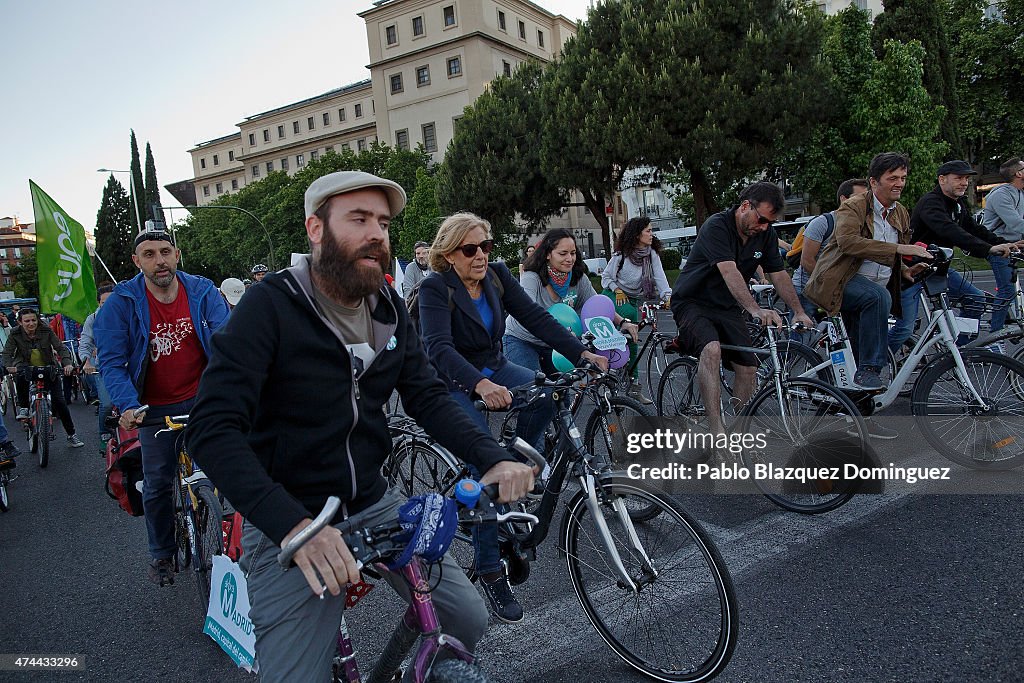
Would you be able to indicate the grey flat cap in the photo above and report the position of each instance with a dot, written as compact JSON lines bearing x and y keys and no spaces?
{"x":325,"y":187}
{"x":958,"y":167}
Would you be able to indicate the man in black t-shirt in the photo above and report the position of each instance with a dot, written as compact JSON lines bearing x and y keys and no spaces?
{"x":711,"y":293}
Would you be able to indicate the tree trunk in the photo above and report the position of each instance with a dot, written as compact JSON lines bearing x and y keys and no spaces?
{"x":595,"y":203}
{"x":704,"y":203}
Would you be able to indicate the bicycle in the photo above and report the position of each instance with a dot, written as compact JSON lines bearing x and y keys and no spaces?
{"x":5,"y":479}
{"x":653,"y":353}
{"x":1013,"y":332}
{"x":8,"y":392}
{"x":198,"y":515}
{"x":971,"y":387}
{"x":371,"y":547}
{"x":39,"y":425}
{"x":609,"y":552}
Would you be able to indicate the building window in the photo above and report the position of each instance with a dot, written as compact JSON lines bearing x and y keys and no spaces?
{"x":284,"y":163}
{"x":295,"y":127}
{"x":206,"y":190}
{"x":255,"y":171}
{"x":314,"y":155}
{"x":359,"y":111}
{"x":396,"y":83}
{"x":417,"y":26}
{"x":216,"y":159}
{"x":17,"y":252}
{"x":422,"y":76}
{"x":346,"y":147}
{"x":202,"y":163}
{"x":429,"y":137}
{"x":327,"y":118}
{"x":449,"y":15}
{"x":402,"y":139}
{"x":234,"y":184}
{"x":231,"y":155}
{"x":540,"y":38}
{"x":454,"y":67}
{"x":391,"y":34}
{"x":270,"y":167}
{"x":252,"y":139}
{"x":341,"y":114}
{"x":522,"y":30}
{"x":220,"y":188}
{"x":501,"y":21}
{"x":361,"y":144}
{"x":506,"y":68}
{"x":310,"y":123}
{"x":456,"y":120}
{"x":7,"y":280}
{"x":300,"y":160}
{"x":266,"y":135}
{"x":3,"y":254}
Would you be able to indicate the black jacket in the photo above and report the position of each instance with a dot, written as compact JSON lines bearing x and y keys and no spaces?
{"x":282,"y":420}
{"x":456,"y":339}
{"x":937,"y":219}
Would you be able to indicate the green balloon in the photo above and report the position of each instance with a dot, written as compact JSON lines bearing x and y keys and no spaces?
{"x":561,"y":363}
{"x":567,"y":317}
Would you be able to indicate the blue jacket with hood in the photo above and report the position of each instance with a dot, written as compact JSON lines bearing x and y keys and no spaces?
{"x":122,"y":332}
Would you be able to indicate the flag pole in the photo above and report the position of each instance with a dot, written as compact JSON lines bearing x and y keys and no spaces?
{"x":92,"y":252}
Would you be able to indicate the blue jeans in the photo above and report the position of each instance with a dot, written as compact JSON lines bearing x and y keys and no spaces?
{"x":159,"y":468}
{"x":870,"y":303}
{"x":530,"y":426}
{"x":4,"y":436}
{"x":1004,"y":291}
{"x":971,"y":307}
{"x":528,"y":355}
{"x":105,"y":403}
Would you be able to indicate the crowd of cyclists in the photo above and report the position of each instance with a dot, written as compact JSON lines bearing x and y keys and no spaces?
{"x":282,"y":419}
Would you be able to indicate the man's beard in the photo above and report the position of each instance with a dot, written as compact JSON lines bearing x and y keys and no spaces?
{"x":422,"y":264}
{"x":340,"y":277}
{"x":164,"y":280}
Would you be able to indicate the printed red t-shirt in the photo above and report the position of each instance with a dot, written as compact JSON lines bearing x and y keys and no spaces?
{"x":176,"y":357}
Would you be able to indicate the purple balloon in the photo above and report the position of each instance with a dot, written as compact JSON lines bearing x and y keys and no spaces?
{"x":617,"y":358}
{"x":598,"y":305}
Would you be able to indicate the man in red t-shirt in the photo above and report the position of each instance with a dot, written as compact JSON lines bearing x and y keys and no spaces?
{"x":153,"y":339}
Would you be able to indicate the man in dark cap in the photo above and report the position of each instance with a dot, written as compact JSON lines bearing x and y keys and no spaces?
{"x":942,"y":217}
{"x":153,"y":336}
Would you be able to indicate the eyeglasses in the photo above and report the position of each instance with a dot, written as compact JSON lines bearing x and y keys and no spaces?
{"x":469,"y":250}
{"x":761,"y":220}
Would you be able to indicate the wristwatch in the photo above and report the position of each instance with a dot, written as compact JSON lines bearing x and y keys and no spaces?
{"x":625,"y":321}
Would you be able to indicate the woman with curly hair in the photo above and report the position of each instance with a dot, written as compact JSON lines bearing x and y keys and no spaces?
{"x":635,"y":274}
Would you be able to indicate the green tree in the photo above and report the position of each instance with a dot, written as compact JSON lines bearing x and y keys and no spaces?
{"x":493,"y":165}
{"x":152,"y":188}
{"x":136,"y":190}
{"x":923,"y":21}
{"x":26,"y":277}
{"x":422,"y":217}
{"x":113,"y":233}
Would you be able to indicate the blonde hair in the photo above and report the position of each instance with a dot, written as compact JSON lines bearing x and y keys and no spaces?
{"x":450,"y":235}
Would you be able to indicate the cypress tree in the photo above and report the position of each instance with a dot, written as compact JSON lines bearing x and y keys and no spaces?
{"x":137,"y":190}
{"x":152,"y":188}
{"x":113,"y":232}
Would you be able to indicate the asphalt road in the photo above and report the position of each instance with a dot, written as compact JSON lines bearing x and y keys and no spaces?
{"x":896,"y":587}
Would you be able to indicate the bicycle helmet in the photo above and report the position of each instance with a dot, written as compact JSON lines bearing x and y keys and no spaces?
{"x":259,"y":268}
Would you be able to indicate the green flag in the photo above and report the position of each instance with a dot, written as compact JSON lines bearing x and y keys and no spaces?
{"x":66,"y":283}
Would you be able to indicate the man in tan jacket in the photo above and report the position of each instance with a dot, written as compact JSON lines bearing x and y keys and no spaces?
{"x":859,"y":271}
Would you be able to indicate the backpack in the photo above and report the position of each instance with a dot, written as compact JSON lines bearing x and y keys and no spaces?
{"x":793,"y":255}
{"x":412,"y":300}
{"x":124,"y":470}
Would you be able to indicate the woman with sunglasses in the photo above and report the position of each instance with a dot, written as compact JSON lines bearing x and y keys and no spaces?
{"x":552,"y":274}
{"x":635,"y":274}
{"x":463,"y":304}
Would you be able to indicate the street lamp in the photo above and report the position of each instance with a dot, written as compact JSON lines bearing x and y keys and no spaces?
{"x":250,"y":214}
{"x":131,"y":185}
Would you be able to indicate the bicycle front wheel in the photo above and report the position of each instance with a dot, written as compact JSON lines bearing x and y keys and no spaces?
{"x":812,"y":426}
{"x":456,"y":671}
{"x":657,"y":365}
{"x":209,"y":538}
{"x":5,"y":502}
{"x":43,"y":429}
{"x":183,"y":557}
{"x":983,"y":437}
{"x":680,"y":624}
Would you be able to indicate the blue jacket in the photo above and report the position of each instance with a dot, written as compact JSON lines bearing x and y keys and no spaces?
{"x":122,"y":332}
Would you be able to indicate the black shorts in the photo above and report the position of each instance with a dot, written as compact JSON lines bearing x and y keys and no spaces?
{"x":699,"y":326}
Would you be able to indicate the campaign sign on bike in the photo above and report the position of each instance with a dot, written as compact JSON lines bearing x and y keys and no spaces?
{"x":606,"y":337}
{"x":227,"y":618}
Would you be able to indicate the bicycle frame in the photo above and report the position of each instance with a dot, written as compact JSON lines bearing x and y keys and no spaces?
{"x":38,"y":391}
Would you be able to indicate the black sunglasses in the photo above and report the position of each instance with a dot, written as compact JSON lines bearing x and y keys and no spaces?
{"x":761,"y":220}
{"x":469,"y":250}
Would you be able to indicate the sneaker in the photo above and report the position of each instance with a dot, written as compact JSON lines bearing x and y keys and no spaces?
{"x":868,"y":379}
{"x":22,"y":413}
{"x":637,"y":393}
{"x":74,"y":441}
{"x":9,"y":450}
{"x":161,"y":572}
{"x":502,"y":600}
{"x":877,"y":431}
{"x":998,"y":347}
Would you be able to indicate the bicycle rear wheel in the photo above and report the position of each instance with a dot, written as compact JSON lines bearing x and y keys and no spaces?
{"x":209,"y":538}
{"x":43,"y":429}
{"x":183,"y":556}
{"x":657,"y":365}
{"x":681,"y":624}
{"x":983,"y":438}
{"x":5,"y":395}
{"x":5,"y":503}
{"x":814,"y":426}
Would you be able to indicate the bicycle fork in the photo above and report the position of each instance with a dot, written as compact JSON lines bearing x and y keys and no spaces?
{"x":619,"y":505}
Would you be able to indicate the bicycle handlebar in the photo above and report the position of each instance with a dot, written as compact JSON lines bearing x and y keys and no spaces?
{"x":284,"y":558}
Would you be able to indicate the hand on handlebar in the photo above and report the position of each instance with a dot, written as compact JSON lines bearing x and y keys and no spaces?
{"x":325,"y":556}
{"x":514,"y":480}
{"x":768,"y":316}
{"x":69,"y":370}
{"x":914,"y":251}
{"x":599,"y":361}
{"x":1001,"y":250}
{"x":133,"y":417}
{"x":494,"y":396}
{"x":801,"y":319}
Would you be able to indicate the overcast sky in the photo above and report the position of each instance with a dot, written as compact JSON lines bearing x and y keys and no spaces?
{"x":76,"y":76}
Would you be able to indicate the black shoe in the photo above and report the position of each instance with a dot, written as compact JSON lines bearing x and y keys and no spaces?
{"x":502,"y":600}
{"x":9,"y":451}
{"x":868,"y":379}
{"x":161,"y":572}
